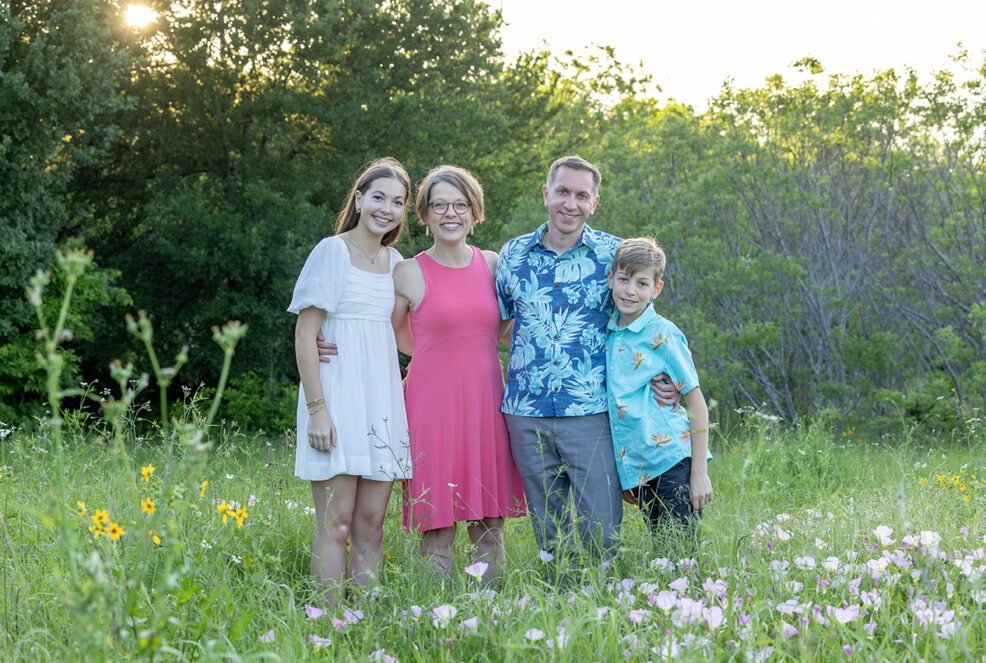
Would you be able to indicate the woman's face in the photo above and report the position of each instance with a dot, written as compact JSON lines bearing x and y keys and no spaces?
{"x":450,"y":217}
{"x":381,"y":207}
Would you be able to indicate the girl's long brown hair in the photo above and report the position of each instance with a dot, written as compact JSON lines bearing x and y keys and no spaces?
{"x":348,"y":218}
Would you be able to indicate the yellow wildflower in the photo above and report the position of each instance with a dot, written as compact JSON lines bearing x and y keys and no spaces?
{"x":115,"y":531}
{"x":224,"y":509}
{"x":240,"y":514}
{"x":147,"y":472}
{"x":922,"y":481}
{"x":80,"y":508}
{"x":205,"y":484}
{"x":95,"y":531}
{"x":100,"y":517}
{"x":155,"y":538}
{"x":147,"y":506}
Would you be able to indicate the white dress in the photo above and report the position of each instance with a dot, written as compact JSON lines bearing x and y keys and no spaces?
{"x":362,"y":385}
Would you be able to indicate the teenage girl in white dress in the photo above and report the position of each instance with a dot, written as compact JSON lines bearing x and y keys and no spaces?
{"x":352,"y":428}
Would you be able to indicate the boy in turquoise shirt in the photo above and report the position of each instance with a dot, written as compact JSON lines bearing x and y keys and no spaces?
{"x":661,"y":453}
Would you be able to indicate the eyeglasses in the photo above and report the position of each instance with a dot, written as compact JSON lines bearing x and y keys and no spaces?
{"x":460,"y":207}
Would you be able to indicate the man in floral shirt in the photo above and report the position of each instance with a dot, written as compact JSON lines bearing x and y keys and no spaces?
{"x":552,"y":283}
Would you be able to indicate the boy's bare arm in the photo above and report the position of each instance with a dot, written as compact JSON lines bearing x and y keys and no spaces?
{"x":698,"y":419}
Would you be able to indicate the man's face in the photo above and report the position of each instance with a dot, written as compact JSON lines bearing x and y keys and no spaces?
{"x":570,"y":200}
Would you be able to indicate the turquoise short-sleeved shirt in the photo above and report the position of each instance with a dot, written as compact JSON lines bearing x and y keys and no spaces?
{"x":648,"y":438}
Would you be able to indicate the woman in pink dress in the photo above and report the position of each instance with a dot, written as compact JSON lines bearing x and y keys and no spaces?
{"x":463,"y":469}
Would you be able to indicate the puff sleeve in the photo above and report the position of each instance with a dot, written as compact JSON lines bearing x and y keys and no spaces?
{"x":322,"y":278}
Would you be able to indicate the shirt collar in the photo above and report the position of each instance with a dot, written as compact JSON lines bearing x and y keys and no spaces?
{"x":589,"y":237}
{"x":646,"y":316}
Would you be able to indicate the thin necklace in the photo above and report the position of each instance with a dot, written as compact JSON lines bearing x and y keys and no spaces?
{"x":373,"y":260}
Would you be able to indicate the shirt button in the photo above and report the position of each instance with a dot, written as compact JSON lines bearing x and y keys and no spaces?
{"x":556,"y":388}
{"x":556,"y":363}
{"x":554,"y":310}
{"x":556,"y":337}
{"x":556,"y":285}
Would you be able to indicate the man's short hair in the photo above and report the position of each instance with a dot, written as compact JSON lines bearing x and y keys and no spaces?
{"x":639,"y":254}
{"x":575,"y":162}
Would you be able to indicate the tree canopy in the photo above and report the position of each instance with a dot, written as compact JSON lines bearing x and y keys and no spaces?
{"x":826,"y":238}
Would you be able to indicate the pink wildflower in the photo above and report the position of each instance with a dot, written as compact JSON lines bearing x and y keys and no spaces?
{"x":666,"y":600}
{"x":319,"y":641}
{"x":883,"y":534}
{"x":477,"y":570}
{"x":714,"y":617}
{"x":442,"y":615}
{"x":846,"y":615}
{"x":382,"y":655}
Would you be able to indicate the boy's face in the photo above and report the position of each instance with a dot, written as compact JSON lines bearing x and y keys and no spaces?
{"x":632,"y":293}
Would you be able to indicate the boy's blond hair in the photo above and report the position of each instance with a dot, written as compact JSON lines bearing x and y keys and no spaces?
{"x":639,"y":254}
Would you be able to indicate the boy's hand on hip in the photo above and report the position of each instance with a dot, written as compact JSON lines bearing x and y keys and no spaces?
{"x":701,"y":489}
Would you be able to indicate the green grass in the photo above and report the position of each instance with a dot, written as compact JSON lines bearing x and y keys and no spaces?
{"x":210,"y":591}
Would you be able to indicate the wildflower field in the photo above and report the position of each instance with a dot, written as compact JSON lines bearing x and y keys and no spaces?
{"x":815,"y":547}
{"x":127,"y":536}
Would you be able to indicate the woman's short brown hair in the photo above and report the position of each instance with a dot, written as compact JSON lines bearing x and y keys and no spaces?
{"x":461,"y":179}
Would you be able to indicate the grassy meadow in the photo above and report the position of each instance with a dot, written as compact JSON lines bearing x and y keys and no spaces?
{"x":814,"y":547}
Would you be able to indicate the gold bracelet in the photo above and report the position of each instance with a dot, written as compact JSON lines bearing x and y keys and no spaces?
{"x":318,"y":408}
{"x":317,"y":401}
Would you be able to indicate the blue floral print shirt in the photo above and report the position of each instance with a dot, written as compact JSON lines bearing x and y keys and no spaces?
{"x":648,"y":438}
{"x":560,"y":305}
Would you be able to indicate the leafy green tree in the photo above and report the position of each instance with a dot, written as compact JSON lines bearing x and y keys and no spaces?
{"x":61,"y":66}
{"x":250,"y":120}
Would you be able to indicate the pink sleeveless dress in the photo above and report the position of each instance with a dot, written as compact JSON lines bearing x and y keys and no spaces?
{"x":462,"y":468}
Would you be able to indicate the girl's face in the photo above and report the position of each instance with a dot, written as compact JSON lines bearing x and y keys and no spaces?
{"x":450,"y":217}
{"x":381,"y":207}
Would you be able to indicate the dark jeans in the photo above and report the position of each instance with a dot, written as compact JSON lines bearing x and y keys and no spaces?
{"x":666,"y":499}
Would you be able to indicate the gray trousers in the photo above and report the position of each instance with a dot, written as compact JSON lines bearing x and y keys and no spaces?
{"x":563,"y":458}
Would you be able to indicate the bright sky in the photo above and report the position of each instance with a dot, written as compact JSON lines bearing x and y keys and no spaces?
{"x":690,"y":48}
